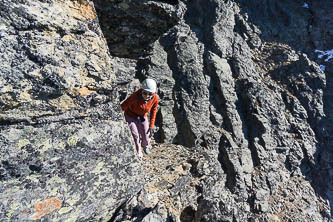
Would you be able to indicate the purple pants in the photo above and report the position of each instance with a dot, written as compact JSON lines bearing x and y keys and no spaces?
{"x":139,"y":131}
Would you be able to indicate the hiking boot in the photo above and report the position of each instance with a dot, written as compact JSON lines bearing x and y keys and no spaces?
{"x":147,"y":150}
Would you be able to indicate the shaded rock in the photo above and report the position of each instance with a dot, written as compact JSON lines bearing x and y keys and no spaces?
{"x":131,"y":26}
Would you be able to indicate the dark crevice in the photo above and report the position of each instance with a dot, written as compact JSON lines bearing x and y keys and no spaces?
{"x":188,"y":214}
{"x":116,"y":212}
{"x":311,"y":21}
{"x":35,"y":168}
{"x":226,"y":164}
{"x":251,"y":199}
{"x":159,"y":136}
{"x":217,"y":100}
{"x":171,"y":2}
{"x":194,"y":167}
{"x":95,"y":78}
{"x":251,"y":127}
{"x":14,"y":122}
{"x":234,"y":70}
{"x":185,"y":135}
{"x":240,"y":27}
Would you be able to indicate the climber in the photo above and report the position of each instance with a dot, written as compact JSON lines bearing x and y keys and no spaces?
{"x":136,"y":108}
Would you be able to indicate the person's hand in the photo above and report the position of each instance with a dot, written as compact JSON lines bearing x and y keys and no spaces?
{"x":150,"y":132}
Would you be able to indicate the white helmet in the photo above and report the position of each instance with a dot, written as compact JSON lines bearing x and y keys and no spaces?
{"x":149,"y":85}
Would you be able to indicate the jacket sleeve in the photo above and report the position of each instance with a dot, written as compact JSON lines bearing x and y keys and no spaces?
{"x":124,"y":106}
{"x":153,"y":112}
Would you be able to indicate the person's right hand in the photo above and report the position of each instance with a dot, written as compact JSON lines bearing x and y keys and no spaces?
{"x":150,"y":132}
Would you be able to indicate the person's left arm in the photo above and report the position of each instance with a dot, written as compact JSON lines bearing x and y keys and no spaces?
{"x":153,"y":112}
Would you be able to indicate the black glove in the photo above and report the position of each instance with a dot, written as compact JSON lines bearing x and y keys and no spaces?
{"x":150,"y":132}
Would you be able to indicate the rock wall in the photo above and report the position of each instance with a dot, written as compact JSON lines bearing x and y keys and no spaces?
{"x":242,"y":78}
{"x":245,"y":121}
{"x":65,"y":152}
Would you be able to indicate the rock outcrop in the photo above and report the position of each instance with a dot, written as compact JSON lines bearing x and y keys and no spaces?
{"x":244,"y":128}
{"x":65,"y":150}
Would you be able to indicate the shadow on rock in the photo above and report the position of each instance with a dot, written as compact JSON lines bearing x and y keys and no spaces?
{"x":130,"y":28}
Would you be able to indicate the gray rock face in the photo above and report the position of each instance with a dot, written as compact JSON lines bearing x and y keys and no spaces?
{"x":242,"y":85}
{"x":243,"y":130}
{"x":71,"y":169}
{"x":65,"y":152}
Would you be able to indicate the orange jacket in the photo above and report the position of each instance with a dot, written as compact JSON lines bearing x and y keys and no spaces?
{"x":135,"y":106}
